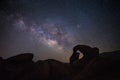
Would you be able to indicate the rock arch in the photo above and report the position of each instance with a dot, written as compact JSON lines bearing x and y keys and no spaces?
{"x":88,"y":52}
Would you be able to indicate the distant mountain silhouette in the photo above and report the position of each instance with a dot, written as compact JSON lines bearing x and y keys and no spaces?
{"x":105,"y":66}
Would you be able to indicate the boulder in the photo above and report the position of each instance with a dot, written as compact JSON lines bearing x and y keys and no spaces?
{"x":105,"y":67}
{"x":21,"y":58}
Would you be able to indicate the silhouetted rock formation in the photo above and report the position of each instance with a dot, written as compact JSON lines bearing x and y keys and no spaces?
{"x":1,"y":58}
{"x":16,"y":67}
{"x":88,"y":52}
{"x":105,"y":66}
{"x":74,"y":57}
{"x":21,"y":58}
{"x":22,"y":67}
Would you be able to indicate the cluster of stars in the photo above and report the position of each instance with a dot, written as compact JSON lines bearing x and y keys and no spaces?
{"x":50,"y":34}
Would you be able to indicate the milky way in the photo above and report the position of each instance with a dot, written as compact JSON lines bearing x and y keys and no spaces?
{"x":50,"y":34}
{"x":51,"y":28}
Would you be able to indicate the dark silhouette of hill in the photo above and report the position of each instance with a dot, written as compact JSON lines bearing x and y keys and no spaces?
{"x":93,"y":66}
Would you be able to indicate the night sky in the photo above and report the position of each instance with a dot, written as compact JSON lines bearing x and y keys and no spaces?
{"x":51,"y":28}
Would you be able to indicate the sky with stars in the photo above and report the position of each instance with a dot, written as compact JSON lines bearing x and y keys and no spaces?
{"x":51,"y":28}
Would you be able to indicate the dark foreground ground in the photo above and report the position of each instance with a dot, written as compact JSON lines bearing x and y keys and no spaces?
{"x":22,"y":67}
